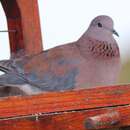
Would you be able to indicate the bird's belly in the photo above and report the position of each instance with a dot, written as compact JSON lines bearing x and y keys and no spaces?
{"x":98,"y":73}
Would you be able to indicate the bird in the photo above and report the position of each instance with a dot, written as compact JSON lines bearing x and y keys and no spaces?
{"x":92,"y":60}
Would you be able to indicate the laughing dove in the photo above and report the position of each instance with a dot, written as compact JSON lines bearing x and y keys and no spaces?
{"x":93,"y":60}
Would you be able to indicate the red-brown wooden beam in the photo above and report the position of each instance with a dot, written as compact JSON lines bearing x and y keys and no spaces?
{"x":23,"y":16}
{"x":65,"y":101}
{"x":105,"y":107}
{"x":75,"y":120}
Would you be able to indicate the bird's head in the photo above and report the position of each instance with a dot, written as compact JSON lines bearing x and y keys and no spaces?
{"x":101,"y":27}
{"x":104,"y":24}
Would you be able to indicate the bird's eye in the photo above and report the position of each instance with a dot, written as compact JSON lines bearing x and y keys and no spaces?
{"x":99,"y":25}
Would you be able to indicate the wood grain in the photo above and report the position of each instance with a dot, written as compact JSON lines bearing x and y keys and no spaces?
{"x":23,"y":16}
{"x":65,"y":101}
{"x":64,"y":120}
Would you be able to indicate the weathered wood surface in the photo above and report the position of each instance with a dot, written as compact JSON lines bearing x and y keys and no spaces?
{"x":65,"y":120}
{"x":65,"y":101}
{"x":66,"y":110}
{"x":23,"y":16}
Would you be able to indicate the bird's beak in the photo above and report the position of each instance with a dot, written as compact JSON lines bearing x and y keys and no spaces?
{"x":115,"y":32}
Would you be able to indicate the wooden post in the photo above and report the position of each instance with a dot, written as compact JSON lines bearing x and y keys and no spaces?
{"x":23,"y":16}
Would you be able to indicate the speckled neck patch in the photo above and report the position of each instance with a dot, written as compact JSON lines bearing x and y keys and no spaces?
{"x":103,"y":49}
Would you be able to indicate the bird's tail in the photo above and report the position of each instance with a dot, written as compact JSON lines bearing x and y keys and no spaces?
{"x":5,"y":65}
{"x":10,"y":68}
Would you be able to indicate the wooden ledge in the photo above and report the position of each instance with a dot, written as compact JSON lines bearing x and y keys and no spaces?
{"x":65,"y":101}
{"x":104,"y":107}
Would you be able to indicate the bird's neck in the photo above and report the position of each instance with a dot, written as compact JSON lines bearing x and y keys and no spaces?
{"x":98,"y":48}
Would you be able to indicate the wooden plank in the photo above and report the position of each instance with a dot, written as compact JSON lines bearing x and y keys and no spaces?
{"x":65,"y":120}
{"x":23,"y":16}
{"x":65,"y":101}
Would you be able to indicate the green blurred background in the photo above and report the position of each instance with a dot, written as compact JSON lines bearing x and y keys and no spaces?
{"x":125,"y":72}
